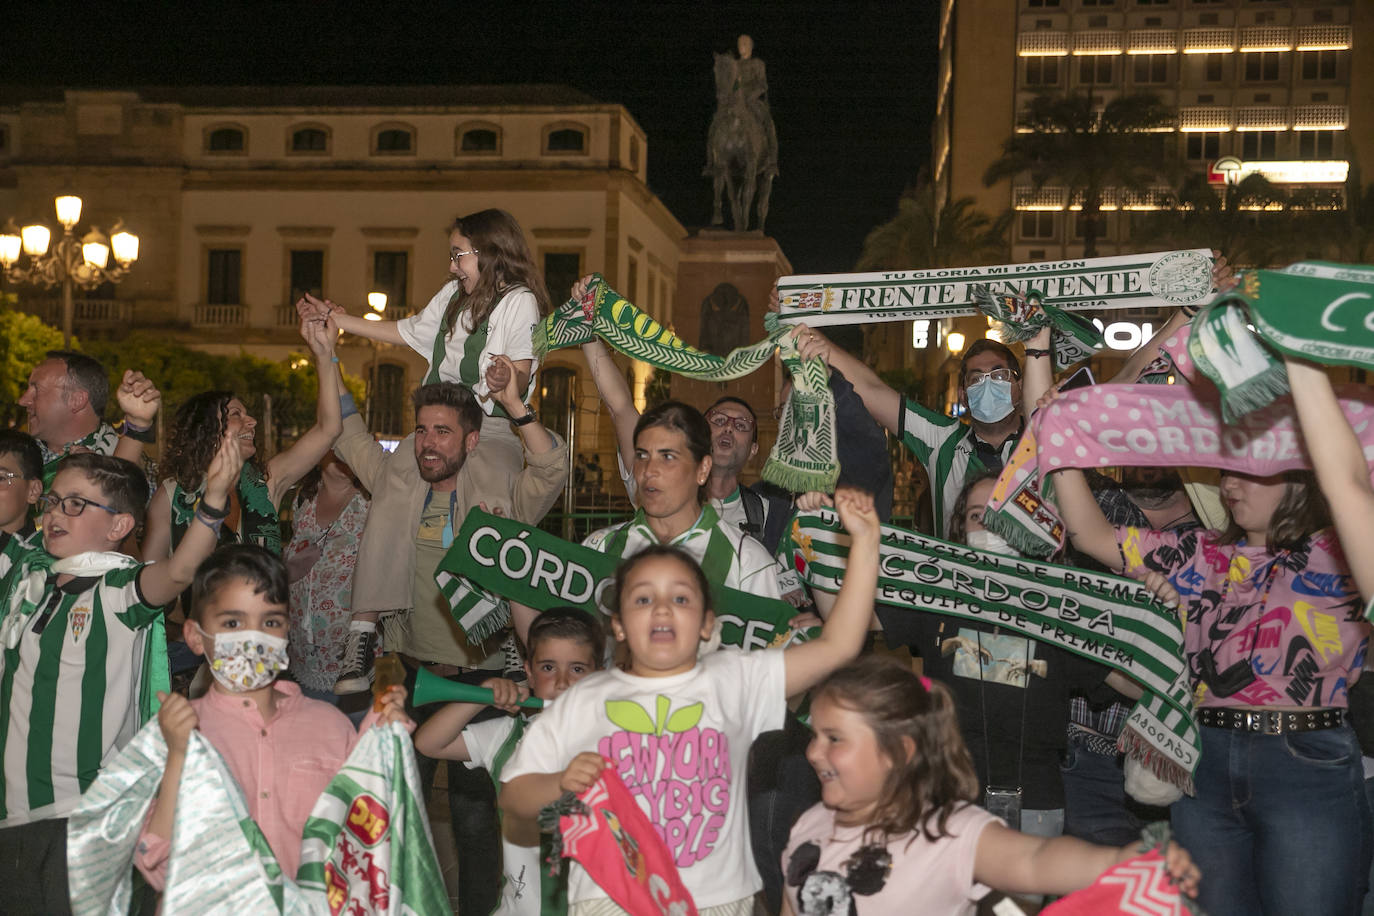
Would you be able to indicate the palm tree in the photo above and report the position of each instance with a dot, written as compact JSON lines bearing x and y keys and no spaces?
{"x":1248,"y":221}
{"x":1064,"y":140}
{"x":922,"y":236}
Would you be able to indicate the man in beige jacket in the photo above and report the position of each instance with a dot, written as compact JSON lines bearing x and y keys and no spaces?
{"x":421,"y":493}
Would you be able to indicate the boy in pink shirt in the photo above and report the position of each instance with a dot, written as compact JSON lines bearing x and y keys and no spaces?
{"x":282,"y":748}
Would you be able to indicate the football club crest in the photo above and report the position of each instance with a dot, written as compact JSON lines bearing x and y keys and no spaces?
{"x":79,"y":618}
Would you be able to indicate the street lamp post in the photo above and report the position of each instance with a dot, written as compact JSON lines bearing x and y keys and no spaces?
{"x":377,"y":303}
{"x":72,"y":262}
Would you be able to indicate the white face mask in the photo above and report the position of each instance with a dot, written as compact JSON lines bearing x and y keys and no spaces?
{"x":245,"y":659}
{"x":990,"y":542}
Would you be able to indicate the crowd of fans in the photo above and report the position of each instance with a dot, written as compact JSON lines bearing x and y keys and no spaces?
{"x":943,"y":757}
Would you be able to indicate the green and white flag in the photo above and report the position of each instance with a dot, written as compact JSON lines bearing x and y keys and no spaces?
{"x":1108,"y":619}
{"x":494,"y":556}
{"x":1157,"y":279}
{"x":367,"y":842}
{"x":804,"y":455}
{"x":1312,"y":310}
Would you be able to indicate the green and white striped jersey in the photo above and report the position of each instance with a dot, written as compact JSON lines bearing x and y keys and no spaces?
{"x":728,"y":556}
{"x":69,"y":687}
{"x":945,"y":447}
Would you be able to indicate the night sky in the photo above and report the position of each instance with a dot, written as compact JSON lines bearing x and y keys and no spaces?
{"x":851,"y":84}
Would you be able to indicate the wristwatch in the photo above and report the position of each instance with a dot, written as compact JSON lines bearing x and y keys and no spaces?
{"x":527,"y":419}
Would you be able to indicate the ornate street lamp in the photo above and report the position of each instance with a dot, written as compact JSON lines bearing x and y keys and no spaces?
{"x":72,"y":262}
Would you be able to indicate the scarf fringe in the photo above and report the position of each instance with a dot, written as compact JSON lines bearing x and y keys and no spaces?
{"x":1134,"y":745}
{"x":791,"y":477}
{"x":1254,"y":393}
{"x":549,"y":818}
{"x":1017,"y":536}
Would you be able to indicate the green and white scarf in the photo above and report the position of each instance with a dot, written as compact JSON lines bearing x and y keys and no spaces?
{"x":259,"y":522}
{"x":1158,"y":279}
{"x":367,"y":844}
{"x":803,"y":457}
{"x":31,"y":579}
{"x":494,"y":556}
{"x":1312,"y":309}
{"x":1073,"y":338}
{"x":1108,"y":619}
{"x":102,"y":440}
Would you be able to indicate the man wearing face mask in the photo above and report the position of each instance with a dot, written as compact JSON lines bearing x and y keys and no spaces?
{"x":949,"y":450}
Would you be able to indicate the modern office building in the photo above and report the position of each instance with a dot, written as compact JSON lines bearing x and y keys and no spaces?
{"x":1280,"y":87}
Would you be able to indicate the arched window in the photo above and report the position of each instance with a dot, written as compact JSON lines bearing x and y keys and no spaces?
{"x":310,"y":140}
{"x":565,"y":139}
{"x":393,"y":140}
{"x":226,"y":140}
{"x":479,"y":138}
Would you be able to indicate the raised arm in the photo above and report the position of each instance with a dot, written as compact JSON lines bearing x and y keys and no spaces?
{"x":157,"y":529}
{"x":441,"y":736}
{"x":882,"y":402}
{"x":842,"y":637}
{"x":1088,"y":528}
{"x":311,"y":308}
{"x":139,"y":400}
{"x":1339,"y":462}
{"x":1038,"y":378}
{"x":289,"y":466}
{"x":610,"y":384}
{"x":533,"y":435}
{"x":161,"y":582}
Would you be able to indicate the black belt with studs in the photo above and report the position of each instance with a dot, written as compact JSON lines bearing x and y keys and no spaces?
{"x":1270,"y":721}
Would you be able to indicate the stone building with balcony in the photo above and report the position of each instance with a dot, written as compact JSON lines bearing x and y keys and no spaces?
{"x":247,"y":197}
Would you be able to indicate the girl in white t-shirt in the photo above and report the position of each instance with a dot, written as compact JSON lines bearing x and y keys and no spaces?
{"x":897,"y":823}
{"x":633,"y":719}
{"x":489,"y":308}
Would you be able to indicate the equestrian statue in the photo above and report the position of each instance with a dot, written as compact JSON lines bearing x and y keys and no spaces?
{"x":742,"y":148}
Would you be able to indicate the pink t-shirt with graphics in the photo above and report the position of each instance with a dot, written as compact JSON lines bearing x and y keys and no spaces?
{"x":681,"y":746}
{"x":826,"y":868}
{"x":1293,"y":616}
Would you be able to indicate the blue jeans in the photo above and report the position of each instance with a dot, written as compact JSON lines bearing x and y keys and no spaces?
{"x":1279,"y":824}
{"x":1096,"y":806}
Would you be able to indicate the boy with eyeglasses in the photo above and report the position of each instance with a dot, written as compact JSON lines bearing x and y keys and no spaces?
{"x":21,"y":481}
{"x":80,"y":624}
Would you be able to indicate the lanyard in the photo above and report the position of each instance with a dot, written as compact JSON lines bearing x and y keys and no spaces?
{"x":447,"y":536}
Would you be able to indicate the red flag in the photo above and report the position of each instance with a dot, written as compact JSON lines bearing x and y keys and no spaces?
{"x":623,"y":853}
{"x":1140,"y":886}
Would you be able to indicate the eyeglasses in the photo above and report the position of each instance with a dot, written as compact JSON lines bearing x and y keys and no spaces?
{"x":72,"y":505}
{"x":997,"y":375}
{"x":740,"y":424}
{"x":455,"y":255}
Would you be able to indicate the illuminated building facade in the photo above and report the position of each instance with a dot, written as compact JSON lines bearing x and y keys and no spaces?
{"x":1282,"y":87}
{"x":247,"y":197}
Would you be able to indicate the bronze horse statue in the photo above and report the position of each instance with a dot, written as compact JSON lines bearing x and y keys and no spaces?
{"x":741,"y":149}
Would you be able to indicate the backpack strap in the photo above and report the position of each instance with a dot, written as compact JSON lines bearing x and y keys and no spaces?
{"x":754,"y":513}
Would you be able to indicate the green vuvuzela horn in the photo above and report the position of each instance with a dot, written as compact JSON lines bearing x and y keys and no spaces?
{"x":431,"y":688}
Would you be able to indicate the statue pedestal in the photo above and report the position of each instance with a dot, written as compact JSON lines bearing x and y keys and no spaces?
{"x":715,"y":269}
